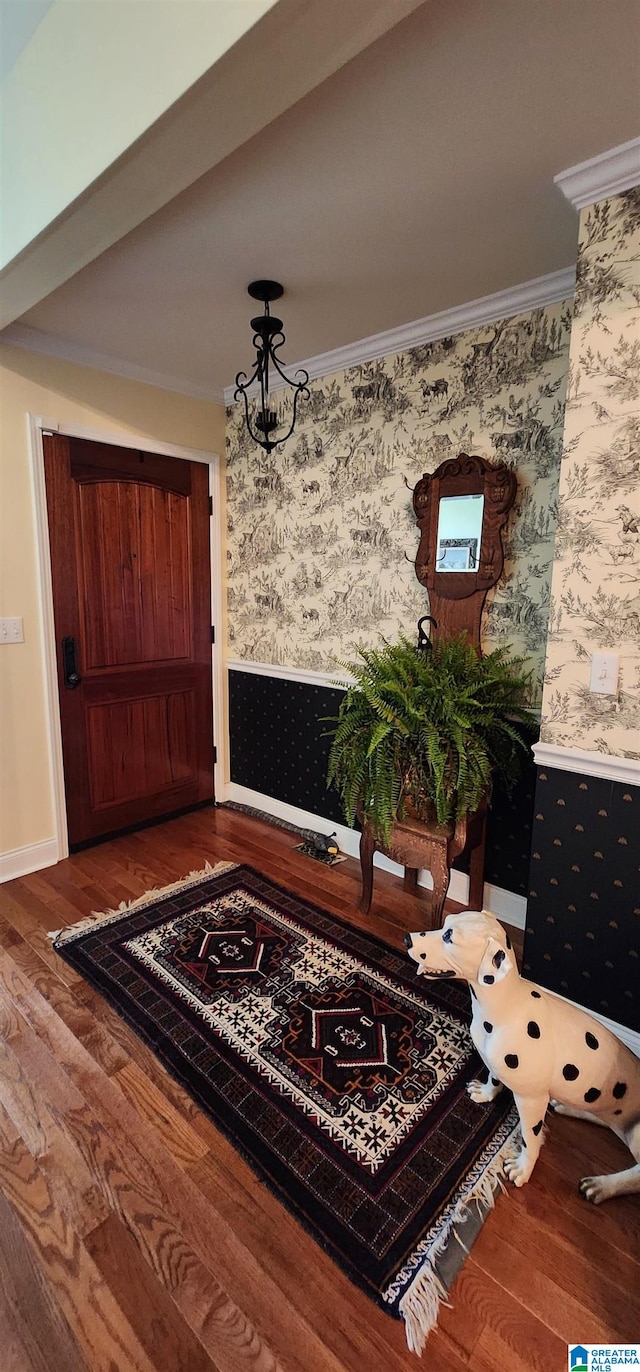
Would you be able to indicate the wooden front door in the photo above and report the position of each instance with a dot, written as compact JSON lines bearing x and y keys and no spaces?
{"x":129,"y":535}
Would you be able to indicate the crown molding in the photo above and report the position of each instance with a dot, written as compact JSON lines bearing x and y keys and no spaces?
{"x":37,"y":341}
{"x":543,"y":290}
{"x":610,"y":173}
{"x":530,"y":295}
{"x":623,"y":769}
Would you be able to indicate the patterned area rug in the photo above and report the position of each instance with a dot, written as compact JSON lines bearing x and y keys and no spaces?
{"x":333,"y":1070}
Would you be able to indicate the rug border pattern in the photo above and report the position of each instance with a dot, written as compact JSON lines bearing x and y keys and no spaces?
{"x":415,"y":1292}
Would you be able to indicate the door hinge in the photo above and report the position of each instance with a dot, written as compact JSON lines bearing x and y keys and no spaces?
{"x":210,"y":504}
{"x":215,"y":753}
{"x":213,"y":633}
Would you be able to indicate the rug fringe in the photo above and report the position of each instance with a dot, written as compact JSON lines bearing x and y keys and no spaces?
{"x":420,"y":1305}
{"x":59,"y":937}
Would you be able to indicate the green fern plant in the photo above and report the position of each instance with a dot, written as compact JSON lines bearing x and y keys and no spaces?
{"x":425,"y":731}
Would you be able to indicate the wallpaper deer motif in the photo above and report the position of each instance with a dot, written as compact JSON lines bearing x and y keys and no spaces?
{"x":596,"y":576}
{"x":321,"y":535}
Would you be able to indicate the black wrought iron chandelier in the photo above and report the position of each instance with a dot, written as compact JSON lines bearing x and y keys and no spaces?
{"x":268,"y":339}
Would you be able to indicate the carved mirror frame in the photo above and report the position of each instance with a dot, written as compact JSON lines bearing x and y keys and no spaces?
{"x":456,"y":599}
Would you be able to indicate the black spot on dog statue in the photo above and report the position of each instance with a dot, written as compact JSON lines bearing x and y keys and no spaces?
{"x":562,"y":1057}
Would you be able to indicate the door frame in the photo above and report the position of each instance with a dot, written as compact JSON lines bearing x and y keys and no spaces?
{"x":37,"y":426}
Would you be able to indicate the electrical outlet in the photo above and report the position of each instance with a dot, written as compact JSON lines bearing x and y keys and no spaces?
{"x":604,"y":673}
{"x":12,"y":630}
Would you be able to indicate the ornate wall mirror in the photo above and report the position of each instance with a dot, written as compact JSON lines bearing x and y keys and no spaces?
{"x":461,"y":510}
{"x":459,"y":533}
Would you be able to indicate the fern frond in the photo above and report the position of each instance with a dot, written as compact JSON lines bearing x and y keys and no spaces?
{"x":427,"y":727}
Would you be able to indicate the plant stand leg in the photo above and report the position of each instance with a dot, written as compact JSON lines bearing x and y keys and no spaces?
{"x":440,"y":874}
{"x":476,"y":871}
{"x":367,"y":850}
{"x":410,"y":882}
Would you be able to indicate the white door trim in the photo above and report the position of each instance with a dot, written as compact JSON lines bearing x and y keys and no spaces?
{"x":37,"y":425}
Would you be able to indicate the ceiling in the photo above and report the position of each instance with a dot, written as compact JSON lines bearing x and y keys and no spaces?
{"x":19,"y":20}
{"x":416,"y":178}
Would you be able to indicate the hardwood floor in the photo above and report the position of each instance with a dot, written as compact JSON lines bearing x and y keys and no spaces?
{"x":133,"y":1236}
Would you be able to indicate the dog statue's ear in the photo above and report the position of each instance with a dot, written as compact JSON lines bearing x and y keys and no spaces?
{"x":495,"y":963}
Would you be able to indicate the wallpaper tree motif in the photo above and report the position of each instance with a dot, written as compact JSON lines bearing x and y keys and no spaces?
{"x":322,"y":536}
{"x":596,"y":576}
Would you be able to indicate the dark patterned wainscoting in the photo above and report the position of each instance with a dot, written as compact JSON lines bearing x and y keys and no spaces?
{"x":279,"y":748}
{"x":279,"y":744}
{"x":583,"y":923}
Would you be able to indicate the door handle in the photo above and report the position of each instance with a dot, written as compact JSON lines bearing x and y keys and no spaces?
{"x":71,"y":677}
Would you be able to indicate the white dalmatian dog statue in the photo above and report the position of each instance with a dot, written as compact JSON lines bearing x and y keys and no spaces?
{"x":541,"y":1047}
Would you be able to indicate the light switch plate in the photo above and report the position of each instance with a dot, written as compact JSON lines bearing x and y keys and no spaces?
{"x":604,"y":673}
{"x":12,"y":630}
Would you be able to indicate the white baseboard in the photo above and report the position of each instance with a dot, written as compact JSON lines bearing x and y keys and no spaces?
{"x":20,"y":861}
{"x":505,"y":904}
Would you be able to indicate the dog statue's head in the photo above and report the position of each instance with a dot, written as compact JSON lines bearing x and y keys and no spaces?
{"x":471,"y":945}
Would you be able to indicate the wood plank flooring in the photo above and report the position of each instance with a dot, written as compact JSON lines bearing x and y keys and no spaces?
{"x":133,"y":1236}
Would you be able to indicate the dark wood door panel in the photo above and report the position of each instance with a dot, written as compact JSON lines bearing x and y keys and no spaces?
{"x":131,"y":575}
{"x":134,"y":570}
{"x":89,"y":461}
{"x":109,"y":820}
{"x":138,"y":747}
{"x":124,"y":683}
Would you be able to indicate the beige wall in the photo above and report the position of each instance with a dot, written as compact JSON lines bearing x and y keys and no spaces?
{"x":31,"y":383}
{"x":595,"y":593}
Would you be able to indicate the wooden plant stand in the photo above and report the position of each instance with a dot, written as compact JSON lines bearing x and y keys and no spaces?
{"x":415,"y":844}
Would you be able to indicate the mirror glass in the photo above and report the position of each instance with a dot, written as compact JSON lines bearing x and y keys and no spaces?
{"x":459,"y":533}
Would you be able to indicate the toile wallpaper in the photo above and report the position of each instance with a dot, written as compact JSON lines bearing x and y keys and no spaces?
{"x":595,"y":601}
{"x":321,"y":534}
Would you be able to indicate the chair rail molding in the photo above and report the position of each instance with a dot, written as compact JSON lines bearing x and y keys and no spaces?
{"x":581,"y":762}
{"x":303,"y":674}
